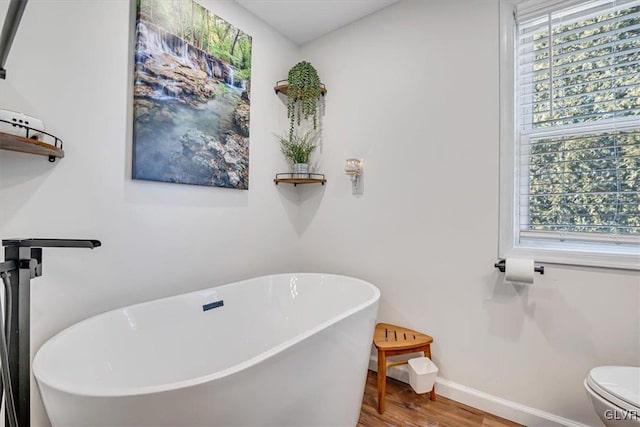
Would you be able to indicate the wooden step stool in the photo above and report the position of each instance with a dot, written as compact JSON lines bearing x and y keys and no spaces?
{"x":392,"y":340}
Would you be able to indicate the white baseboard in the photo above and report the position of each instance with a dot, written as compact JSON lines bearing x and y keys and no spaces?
{"x":486,"y":402}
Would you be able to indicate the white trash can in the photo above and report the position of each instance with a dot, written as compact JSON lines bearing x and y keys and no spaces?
{"x":422,"y":374}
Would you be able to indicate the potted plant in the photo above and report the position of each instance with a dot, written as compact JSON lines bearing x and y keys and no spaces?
{"x":303,"y":94}
{"x":298,"y":149}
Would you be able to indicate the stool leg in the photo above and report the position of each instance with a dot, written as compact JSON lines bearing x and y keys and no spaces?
{"x":427,"y":353}
{"x":382,"y":379}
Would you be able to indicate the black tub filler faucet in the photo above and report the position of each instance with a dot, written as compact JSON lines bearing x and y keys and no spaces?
{"x":23,"y":262}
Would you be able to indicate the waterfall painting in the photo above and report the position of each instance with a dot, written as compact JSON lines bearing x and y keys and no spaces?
{"x":191,"y":96}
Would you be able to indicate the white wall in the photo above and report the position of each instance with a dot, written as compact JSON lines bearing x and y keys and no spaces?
{"x":414,"y":90}
{"x":69,"y":65}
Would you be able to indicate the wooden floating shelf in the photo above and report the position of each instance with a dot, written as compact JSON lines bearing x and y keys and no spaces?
{"x":296,"y":181}
{"x":32,"y":146}
{"x":290,"y":178}
{"x":283,"y":88}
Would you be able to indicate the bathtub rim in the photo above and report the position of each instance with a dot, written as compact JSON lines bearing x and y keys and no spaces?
{"x":192,"y":382}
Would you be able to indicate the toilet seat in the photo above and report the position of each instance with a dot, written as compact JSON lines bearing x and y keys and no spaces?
{"x":619,"y":385}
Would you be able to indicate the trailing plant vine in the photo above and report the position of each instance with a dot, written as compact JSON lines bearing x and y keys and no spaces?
{"x":303,"y":94}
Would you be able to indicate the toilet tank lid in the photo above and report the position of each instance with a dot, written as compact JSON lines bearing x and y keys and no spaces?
{"x":621,"y":381}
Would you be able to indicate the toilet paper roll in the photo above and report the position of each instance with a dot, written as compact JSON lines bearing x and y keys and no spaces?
{"x":519,"y":270}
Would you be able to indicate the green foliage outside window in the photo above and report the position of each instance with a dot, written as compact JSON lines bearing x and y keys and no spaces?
{"x":585,"y":181}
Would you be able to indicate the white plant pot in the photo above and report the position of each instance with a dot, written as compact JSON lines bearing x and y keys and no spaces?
{"x":301,"y":170}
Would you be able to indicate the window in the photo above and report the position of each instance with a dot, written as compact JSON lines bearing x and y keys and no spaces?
{"x":570,"y":134}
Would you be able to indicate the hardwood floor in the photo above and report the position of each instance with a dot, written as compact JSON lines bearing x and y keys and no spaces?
{"x":406,"y":408}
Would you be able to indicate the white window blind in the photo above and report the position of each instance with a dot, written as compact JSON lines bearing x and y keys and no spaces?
{"x":577,"y":95}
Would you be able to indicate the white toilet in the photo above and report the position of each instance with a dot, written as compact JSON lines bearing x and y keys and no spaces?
{"x":615,"y":393}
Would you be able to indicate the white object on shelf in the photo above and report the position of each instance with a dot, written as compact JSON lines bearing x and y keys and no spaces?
{"x":17,"y":124}
{"x":422,"y":374}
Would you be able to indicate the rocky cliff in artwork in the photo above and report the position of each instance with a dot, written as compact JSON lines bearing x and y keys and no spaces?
{"x":213,"y":160}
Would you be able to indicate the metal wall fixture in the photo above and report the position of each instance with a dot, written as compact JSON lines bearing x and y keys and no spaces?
{"x":502,"y":266}
{"x":23,"y":262}
{"x":354,"y":168}
{"x":9,"y":29}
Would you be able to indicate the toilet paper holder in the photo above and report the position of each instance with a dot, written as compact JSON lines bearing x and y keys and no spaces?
{"x":502,"y":265}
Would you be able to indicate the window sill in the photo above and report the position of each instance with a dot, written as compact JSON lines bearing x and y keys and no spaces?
{"x":625,"y":261}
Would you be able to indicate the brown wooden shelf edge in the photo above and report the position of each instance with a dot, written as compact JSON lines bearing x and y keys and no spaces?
{"x":283,"y":88}
{"x":288,"y":178}
{"x":296,"y":181}
{"x":31,"y":146}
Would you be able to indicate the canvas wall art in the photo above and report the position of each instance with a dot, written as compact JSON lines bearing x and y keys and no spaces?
{"x":191,"y":96}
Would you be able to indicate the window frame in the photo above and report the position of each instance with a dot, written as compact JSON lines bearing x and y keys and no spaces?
{"x":555,"y":252}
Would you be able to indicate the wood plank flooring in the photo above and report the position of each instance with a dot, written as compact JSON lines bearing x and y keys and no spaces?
{"x":406,"y":408}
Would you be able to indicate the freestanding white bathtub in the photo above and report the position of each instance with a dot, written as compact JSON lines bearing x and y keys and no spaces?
{"x":283,"y":350}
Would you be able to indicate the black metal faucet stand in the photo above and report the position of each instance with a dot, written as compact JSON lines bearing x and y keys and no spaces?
{"x":9,"y":29}
{"x":27,"y":256}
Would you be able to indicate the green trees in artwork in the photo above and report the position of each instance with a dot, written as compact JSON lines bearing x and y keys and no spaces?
{"x":202,"y":29}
